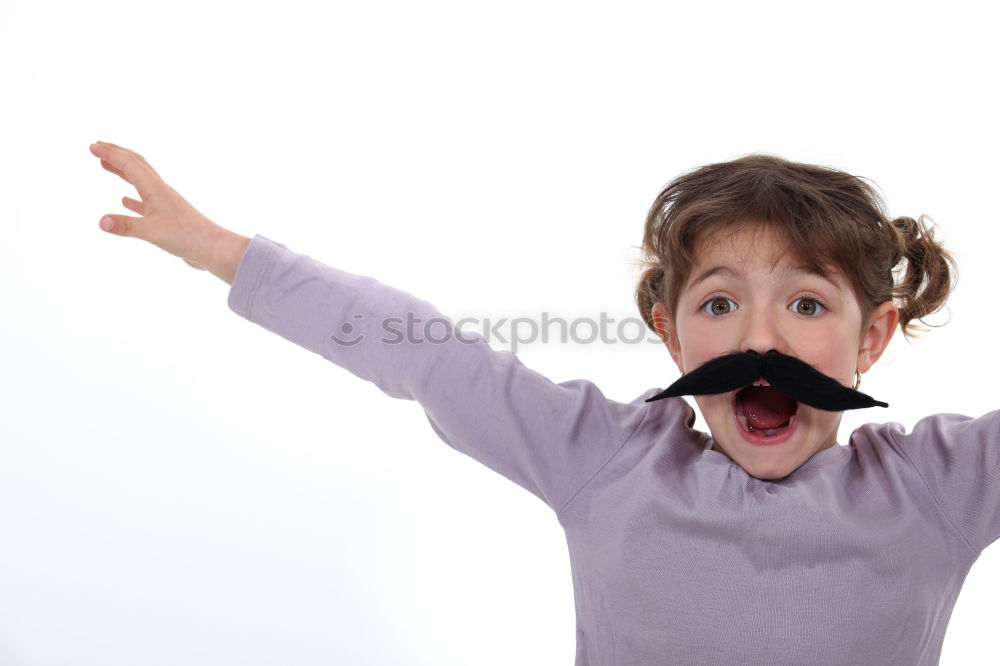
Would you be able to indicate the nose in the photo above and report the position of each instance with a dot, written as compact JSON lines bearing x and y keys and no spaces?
{"x":761,"y":333}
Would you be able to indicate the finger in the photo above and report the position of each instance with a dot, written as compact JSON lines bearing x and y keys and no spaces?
{"x":102,"y":147}
{"x":123,"y":225}
{"x":96,"y":149}
{"x":130,"y":167}
{"x":134,"y":206}
{"x":107,"y":165}
{"x":133,"y":154}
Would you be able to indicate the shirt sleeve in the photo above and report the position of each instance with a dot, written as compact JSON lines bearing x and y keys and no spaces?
{"x":549,"y":438}
{"x":958,"y":458}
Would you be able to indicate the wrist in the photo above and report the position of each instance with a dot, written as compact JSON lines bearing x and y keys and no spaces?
{"x":225,"y":253}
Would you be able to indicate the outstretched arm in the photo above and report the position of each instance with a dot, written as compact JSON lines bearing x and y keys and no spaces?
{"x":550,"y":438}
{"x":547,"y":437}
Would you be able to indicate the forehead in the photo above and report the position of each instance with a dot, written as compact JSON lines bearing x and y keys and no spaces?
{"x":733,"y":252}
{"x":742,"y":244}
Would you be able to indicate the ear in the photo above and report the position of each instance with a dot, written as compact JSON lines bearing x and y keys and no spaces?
{"x":667,"y":332}
{"x":876,"y":335}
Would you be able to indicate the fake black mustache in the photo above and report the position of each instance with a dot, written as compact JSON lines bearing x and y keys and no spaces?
{"x":793,"y":377}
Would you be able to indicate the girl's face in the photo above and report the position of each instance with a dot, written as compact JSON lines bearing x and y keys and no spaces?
{"x":748,"y":304}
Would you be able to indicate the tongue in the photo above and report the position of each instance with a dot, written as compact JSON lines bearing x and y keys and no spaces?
{"x":765,"y":407}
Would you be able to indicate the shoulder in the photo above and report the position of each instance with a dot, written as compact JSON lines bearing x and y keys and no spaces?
{"x":665,"y":423}
{"x":667,"y":411}
{"x":955,"y":456}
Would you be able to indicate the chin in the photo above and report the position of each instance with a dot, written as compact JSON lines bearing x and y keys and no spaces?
{"x":764,"y":463}
{"x":769,"y":472}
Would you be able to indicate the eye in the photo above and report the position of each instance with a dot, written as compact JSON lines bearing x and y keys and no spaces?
{"x":714,"y":304}
{"x":811,"y":305}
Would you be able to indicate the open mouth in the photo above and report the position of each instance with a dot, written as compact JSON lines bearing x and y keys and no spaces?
{"x":763,"y":410}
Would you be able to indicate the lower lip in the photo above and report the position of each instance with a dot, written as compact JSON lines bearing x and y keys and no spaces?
{"x":764,"y":440}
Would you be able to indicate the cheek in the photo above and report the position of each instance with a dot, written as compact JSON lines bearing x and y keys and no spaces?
{"x":831,"y":352}
{"x":839,"y":366}
{"x":831,"y":357}
{"x":714,"y":405}
{"x":697,"y":348}
{"x":818,"y":424}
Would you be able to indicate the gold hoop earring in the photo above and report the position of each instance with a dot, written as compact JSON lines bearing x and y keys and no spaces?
{"x":857,"y":380}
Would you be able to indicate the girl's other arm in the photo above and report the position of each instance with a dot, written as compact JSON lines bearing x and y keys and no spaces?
{"x":957,"y":458}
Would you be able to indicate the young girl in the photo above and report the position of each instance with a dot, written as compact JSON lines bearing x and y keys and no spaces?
{"x":735,"y":547}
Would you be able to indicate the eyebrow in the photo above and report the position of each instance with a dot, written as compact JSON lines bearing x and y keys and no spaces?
{"x":717,"y":270}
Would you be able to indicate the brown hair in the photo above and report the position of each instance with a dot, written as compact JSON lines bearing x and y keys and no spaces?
{"x":829,"y":218}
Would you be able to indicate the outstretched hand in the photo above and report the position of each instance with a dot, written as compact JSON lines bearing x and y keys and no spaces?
{"x":166,"y":219}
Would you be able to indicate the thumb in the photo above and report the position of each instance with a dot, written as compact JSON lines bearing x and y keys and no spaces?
{"x":122,"y":225}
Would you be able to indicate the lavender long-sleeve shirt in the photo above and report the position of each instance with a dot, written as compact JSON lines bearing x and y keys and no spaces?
{"x":678,"y":555}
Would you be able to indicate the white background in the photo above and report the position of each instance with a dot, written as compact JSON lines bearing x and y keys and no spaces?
{"x":180,"y":487}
